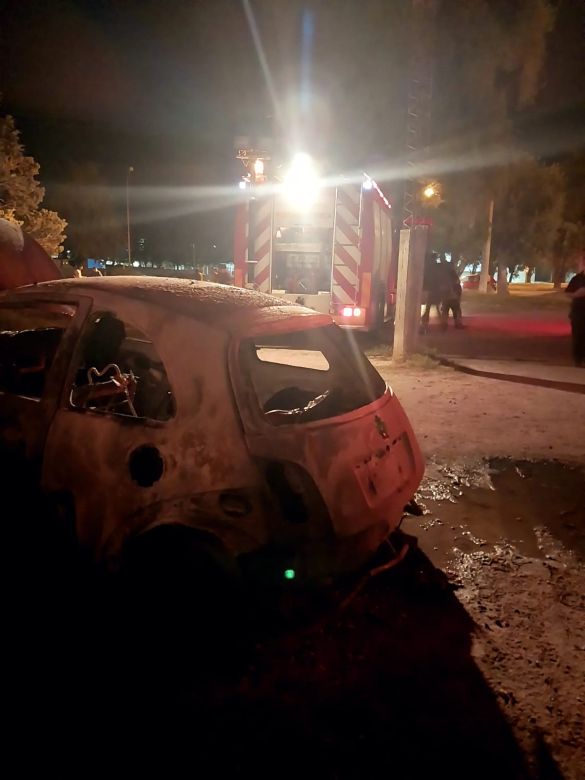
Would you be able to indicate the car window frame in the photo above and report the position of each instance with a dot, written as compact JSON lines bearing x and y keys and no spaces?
{"x":250,"y":411}
{"x":60,"y":366}
{"x":96,"y":308}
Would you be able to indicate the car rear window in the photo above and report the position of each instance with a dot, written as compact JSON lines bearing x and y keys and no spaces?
{"x":307,"y":375}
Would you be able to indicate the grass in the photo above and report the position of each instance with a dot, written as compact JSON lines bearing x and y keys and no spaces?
{"x":517,"y":300}
{"x":422,"y":361}
{"x":419,"y":360}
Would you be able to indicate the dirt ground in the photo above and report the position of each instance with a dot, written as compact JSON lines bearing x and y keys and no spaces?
{"x":456,"y":415}
{"x":511,"y":532}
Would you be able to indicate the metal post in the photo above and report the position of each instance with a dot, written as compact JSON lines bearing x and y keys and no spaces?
{"x":129,"y":171}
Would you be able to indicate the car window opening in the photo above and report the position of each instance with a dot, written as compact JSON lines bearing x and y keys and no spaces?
{"x":29,"y":339}
{"x":120,"y":373}
{"x":309,"y":375}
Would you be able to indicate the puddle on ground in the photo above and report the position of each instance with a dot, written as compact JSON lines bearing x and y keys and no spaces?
{"x":475,"y":506}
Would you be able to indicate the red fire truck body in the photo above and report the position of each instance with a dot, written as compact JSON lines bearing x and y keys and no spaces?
{"x":335,"y":257}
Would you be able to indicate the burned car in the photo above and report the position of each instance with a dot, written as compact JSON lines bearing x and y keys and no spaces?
{"x":257,"y":429}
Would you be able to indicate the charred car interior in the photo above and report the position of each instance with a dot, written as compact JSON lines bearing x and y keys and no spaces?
{"x":309,"y":375}
{"x":120,"y":372}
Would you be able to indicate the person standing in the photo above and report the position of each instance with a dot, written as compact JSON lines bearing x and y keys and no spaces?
{"x":450,"y":296}
{"x":576,"y":292}
{"x":432,"y":289}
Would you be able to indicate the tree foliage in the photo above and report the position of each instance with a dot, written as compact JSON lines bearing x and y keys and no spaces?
{"x":529,"y":213}
{"x":488,"y":63}
{"x":489,"y":58}
{"x":460,"y":219}
{"x":48,"y":228}
{"x":21,"y":193}
{"x":570,"y":237}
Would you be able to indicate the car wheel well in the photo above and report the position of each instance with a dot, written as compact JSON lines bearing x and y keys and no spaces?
{"x":180,"y":542}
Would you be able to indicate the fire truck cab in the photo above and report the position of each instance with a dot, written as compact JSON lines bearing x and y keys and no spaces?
{"x":335,"y":257}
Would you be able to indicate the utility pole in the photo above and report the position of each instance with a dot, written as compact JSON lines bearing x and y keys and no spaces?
{"x":414,"y":236}
{"x":484,"y":275}
{"x":128,"y":172}
{"x":411,"y":257}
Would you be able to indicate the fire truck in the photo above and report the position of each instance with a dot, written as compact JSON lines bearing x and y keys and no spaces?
{"x":334,"y":256}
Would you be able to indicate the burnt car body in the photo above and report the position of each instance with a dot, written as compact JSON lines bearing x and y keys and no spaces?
{"x":137,"y":403}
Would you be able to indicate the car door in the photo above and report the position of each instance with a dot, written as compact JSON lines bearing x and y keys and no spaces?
{"x":109,"y":448}
{"x":37,"y":338}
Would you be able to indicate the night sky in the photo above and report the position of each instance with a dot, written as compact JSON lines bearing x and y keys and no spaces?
{"x":167,"y":86}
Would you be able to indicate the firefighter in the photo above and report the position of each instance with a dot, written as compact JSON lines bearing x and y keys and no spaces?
{"x":431,"y":286}
{"x":450,"y":286}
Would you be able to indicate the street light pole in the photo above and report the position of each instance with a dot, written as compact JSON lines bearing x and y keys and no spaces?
{"x":129,"y":171}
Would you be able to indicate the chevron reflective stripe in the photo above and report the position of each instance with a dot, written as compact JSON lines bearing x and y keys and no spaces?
{"x":346,"y":233}
{"x":348,"y":257}
{"x":263,"y":246}
{"x":342,"y":288}
{"x":348,"y":202}
{"x":346,"y":246}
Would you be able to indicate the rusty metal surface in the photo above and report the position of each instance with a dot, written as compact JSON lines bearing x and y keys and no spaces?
{"x":213,"y":458}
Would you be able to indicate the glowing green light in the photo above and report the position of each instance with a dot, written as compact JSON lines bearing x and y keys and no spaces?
{"x":289,"y":574}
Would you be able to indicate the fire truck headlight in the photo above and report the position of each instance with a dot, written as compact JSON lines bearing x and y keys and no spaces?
{"x":357,"y":312}
{"x":347,"y":311}
{"x":301,"y":183}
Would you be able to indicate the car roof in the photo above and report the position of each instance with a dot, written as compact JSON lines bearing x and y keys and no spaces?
{"x":204,"y":301}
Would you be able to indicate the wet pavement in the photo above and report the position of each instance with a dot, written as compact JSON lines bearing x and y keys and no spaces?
{"x":542,"y":336}
{"x":480,"y":504}
{"x":510,"y":536}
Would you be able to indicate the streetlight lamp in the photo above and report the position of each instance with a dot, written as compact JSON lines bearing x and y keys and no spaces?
{"x":128,"y":172}
{"x":431,"y":192}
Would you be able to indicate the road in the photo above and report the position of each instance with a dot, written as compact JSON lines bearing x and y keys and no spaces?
{"x":531,"y":329}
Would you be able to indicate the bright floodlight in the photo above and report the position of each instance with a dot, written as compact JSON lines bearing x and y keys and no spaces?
{"x":301,"y":183}
{"x":429,"y":191}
